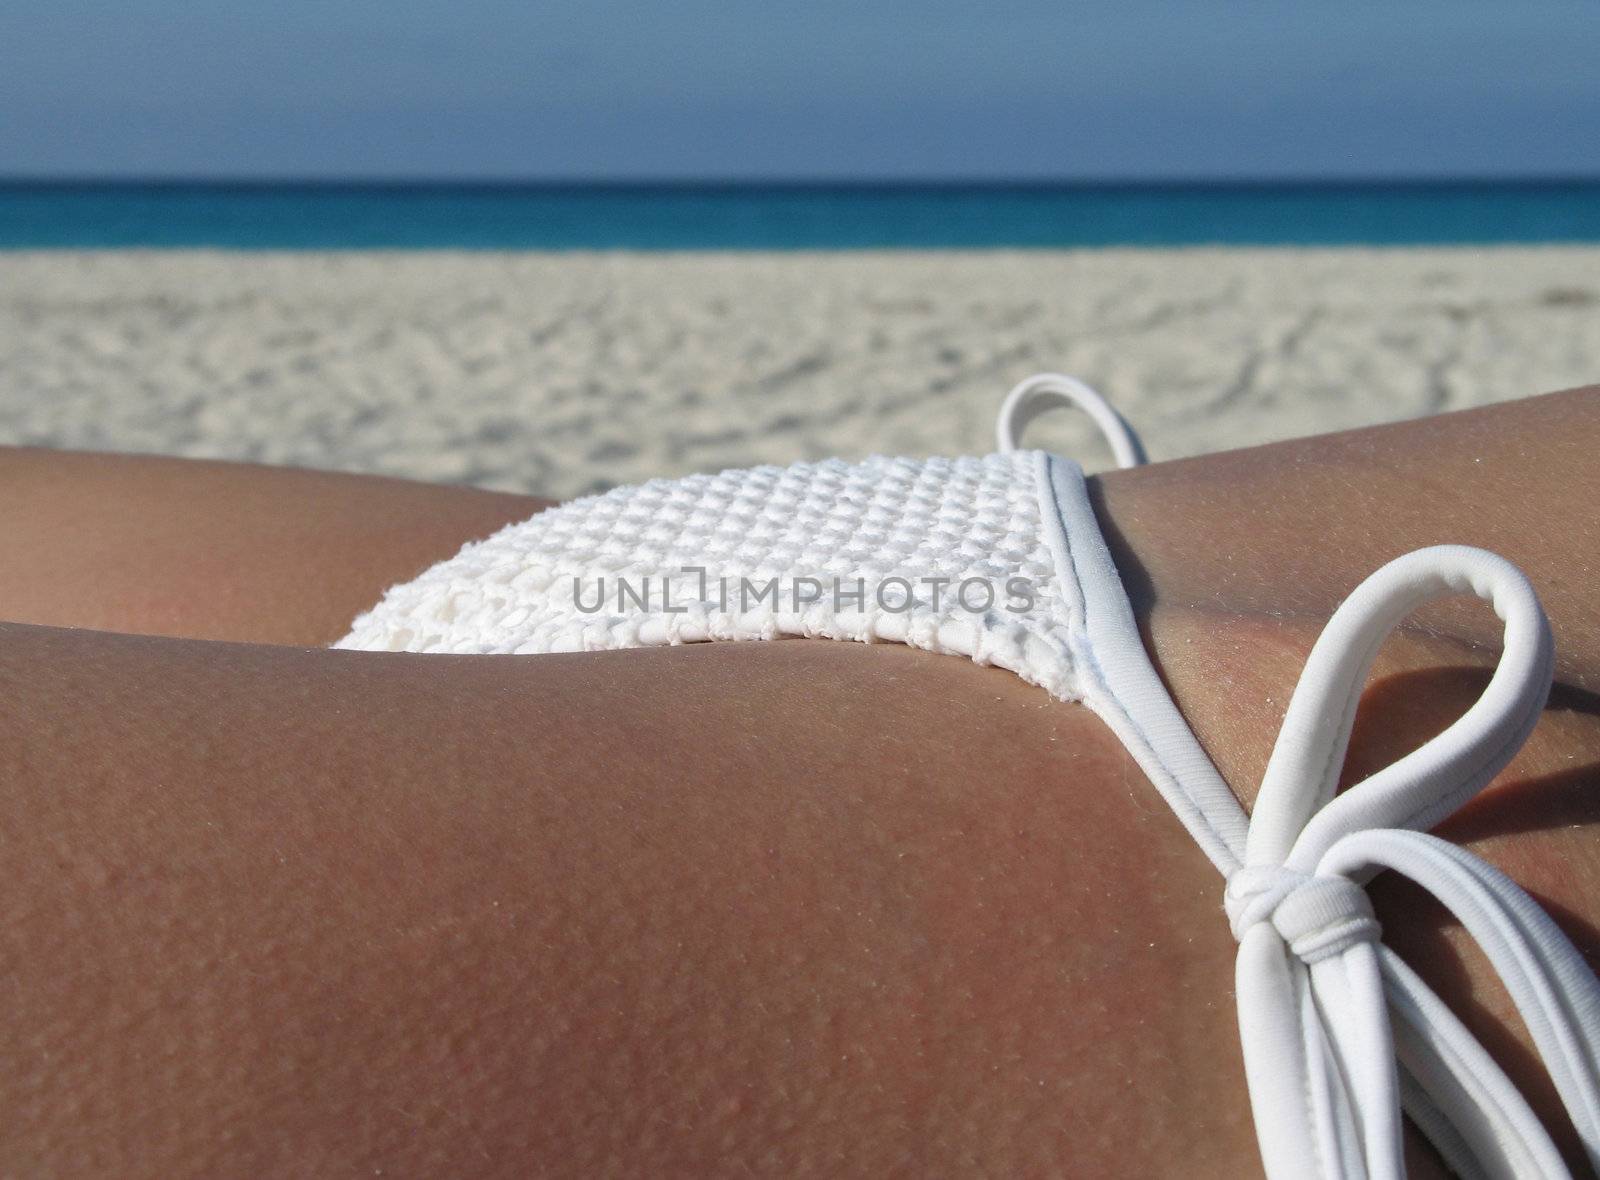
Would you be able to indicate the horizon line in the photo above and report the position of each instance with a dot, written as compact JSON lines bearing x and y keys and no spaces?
{"x":794,"y":184}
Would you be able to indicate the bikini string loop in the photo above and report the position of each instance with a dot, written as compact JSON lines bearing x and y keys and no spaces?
{"x":1046,"y":391}
{"x":1327,"y":1067}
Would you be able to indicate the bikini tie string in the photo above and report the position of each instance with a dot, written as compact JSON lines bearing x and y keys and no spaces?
{"x":1314,"y":916}
{"x":1046,"y":391}
{"x":1337,"y":1029}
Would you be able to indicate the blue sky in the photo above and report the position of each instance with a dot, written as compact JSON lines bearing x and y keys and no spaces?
{"x":822,"y":89}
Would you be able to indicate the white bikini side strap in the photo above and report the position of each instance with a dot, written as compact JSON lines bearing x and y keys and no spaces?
{"x":1315,"y":986}
{"x":1046,"y":391}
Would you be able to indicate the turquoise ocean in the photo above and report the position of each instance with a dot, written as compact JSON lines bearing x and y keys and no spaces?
{"x":53,"y":215}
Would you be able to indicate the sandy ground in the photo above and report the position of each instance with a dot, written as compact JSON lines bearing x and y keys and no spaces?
{"x":565,"y":373}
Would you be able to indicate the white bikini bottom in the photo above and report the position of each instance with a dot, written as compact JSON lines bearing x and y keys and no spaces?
{"x":1000,"y":559}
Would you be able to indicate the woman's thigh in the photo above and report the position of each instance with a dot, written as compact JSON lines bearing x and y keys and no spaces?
{"x":790,"y":909}
{"x":205,"y":550}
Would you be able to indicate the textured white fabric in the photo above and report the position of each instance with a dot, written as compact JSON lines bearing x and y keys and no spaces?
{"x":1316,"y":987}
{"x":892,"y":525}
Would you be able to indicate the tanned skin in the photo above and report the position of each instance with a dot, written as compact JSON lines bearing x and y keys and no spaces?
{"x":791,"y":909}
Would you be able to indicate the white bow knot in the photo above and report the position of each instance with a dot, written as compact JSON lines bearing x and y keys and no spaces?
{"x":1336,"y":1028}
{"x":1315,"y":916}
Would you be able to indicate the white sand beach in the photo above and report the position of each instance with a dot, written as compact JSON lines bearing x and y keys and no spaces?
{"x":563,"y":373}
